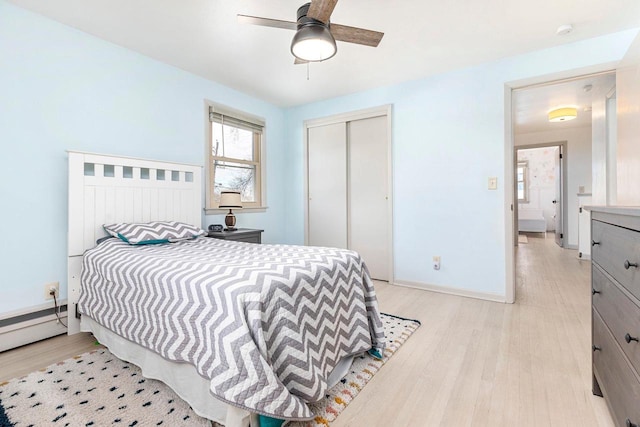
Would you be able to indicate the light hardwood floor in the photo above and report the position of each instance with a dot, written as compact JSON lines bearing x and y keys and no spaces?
{"x":482,"y":363}
{"x":471,"y":362}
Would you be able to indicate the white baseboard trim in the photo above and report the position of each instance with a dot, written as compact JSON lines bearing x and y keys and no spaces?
{"x":487,"y":296}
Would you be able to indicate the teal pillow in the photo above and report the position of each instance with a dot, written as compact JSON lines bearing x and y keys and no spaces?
{"x":269,"y":422}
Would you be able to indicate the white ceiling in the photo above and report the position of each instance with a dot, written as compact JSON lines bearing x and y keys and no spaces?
{"x":422,"y":37}
{"x":531,"y":106}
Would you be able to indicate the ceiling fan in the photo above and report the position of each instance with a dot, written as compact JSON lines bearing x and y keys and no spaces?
{"x":315,"y":38}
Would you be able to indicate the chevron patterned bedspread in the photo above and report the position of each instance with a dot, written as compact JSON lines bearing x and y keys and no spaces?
{"x":265,"y":324}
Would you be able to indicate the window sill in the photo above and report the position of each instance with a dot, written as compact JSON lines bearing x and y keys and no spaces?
{"x":218,"y":211}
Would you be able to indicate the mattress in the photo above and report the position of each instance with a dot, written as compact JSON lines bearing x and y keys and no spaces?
{"x":265,"y":325}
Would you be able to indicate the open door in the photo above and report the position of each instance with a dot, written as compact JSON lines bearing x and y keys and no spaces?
{"x":557,"y":202}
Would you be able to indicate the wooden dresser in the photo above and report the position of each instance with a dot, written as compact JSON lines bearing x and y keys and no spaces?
{"x":615,"y":254}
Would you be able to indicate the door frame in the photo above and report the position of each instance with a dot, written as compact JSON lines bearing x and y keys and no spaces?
{"x":612,"y":147}
{"x":368,"y":113}
{"x":509,"y":147}
{"x":563,"y":186}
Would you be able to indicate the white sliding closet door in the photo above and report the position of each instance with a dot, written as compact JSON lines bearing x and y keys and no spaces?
{"x":327,"y":179}
{"x":349,"y":198}
{"x":368,"y":193}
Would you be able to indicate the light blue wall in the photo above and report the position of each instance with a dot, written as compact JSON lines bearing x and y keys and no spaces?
{"x":448,"y":137}
{"x":62,"y":89}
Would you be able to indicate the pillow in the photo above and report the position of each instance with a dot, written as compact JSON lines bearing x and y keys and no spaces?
{"x":153,"y":232}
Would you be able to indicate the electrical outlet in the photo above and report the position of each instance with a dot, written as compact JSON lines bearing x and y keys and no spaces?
{"x":436,"y":263}
{"x":53,"y":286}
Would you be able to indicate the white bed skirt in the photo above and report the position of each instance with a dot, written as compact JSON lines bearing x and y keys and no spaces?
{"x":183,"y":378}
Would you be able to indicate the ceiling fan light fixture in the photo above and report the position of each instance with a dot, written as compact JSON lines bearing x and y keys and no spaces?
{"x":313,"y":42}
{"x":563,"y":114}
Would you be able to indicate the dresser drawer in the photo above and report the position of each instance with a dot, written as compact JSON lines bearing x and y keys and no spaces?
{"x":616,"y":378}
{"x":246,"y":235}
{"x":621,"y":314}
{"x":615,"y":246}
{"x":248,"y":239}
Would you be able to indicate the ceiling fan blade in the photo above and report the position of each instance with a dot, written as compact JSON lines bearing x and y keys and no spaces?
{"x":355,"y":35}
{"x":321,"y":10}
{"x":266,"y":22}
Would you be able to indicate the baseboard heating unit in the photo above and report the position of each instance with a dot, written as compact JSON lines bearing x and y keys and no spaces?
{"x":30,"y":325}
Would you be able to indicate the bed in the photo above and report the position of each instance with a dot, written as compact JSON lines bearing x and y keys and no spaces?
{"x":236,"y":329}
{"x":532,"y":220}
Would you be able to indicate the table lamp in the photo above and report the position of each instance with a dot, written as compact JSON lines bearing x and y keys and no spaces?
{"x":230,"y":200}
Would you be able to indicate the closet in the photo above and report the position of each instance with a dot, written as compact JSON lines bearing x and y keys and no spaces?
{"x":348,"y":189}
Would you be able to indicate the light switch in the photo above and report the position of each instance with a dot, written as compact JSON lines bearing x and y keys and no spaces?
{"x":493,"y":183}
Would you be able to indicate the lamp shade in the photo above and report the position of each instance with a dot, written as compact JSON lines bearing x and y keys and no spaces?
{"x":313,"y":42}
{"x":563,"y":114}
{"x":230,"y":200}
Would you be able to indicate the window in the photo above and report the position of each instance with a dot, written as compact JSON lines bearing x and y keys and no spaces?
{"x":521,"y":182}
{"x":235,"y":157}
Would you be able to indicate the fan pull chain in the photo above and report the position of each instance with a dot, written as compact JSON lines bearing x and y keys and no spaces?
{"x":307,"y":71}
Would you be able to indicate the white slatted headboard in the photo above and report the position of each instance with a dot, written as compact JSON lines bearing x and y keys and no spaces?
{"x":110,"y":189}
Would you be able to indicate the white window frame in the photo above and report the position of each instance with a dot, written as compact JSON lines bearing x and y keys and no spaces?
{"x":524,"y":164}
{"x":260,"y":190}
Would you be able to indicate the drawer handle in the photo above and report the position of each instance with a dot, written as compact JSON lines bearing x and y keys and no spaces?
{"x":594,"y":243}
{"x":595,"y":348}
{"x":628,"y":264}
{"x":628,"y":423}
{"x":628,"y":338}
{"x":593,"y":292}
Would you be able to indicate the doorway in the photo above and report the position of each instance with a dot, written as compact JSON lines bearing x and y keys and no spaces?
{"x":530,"y":125}
{"x":541,"y":190}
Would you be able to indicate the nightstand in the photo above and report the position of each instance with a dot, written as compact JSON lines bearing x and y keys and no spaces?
{"x":240,"y":235}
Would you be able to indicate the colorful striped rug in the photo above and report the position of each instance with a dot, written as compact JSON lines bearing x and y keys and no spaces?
{"x":97,"y":389}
